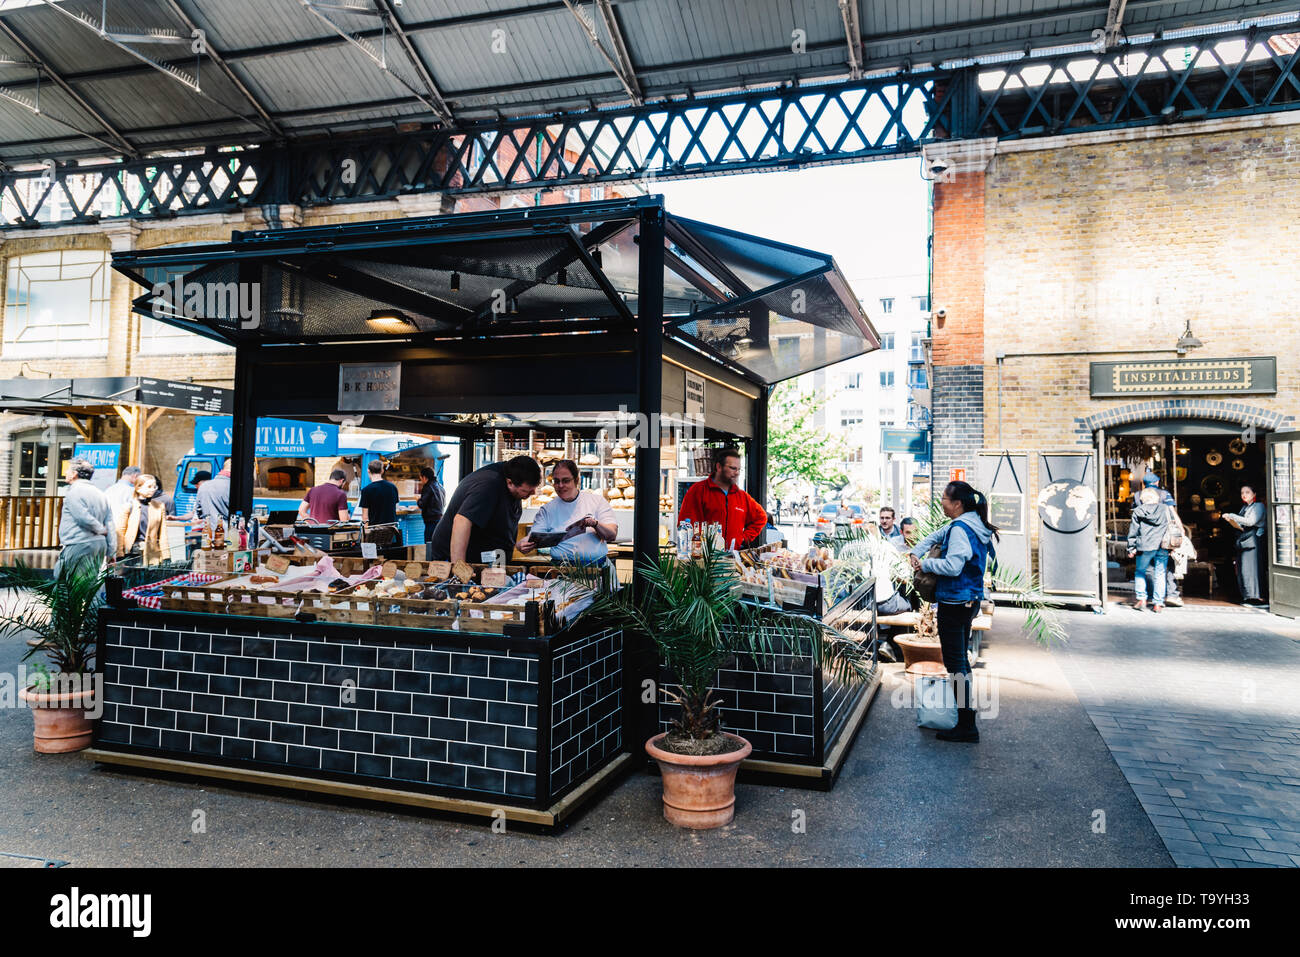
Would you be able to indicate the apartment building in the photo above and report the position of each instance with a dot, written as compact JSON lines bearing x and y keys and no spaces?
{"x":874,"y":392}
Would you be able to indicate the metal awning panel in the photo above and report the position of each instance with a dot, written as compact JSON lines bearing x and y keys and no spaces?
{"x":773,"y":309}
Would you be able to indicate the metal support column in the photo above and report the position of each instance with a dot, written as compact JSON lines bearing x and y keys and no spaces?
{"x":243,"y":436}
{"x":756,"y":462}
{"x":641,"y":664}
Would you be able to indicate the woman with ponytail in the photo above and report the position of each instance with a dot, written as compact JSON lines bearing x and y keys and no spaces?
{"x":966,"y":543}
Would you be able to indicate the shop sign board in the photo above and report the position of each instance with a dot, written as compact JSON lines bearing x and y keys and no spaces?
{"x":1007,"y":512}
{"x":104,"y":458}
{"x":276,"y":438}
{"x":694,"y":397}
{"x":186,"y":396}
{"x":905,"y":441}
{"x":1246,"y":376}
{"x":370,"y":386}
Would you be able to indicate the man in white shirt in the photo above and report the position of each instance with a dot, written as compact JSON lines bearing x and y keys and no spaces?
{"x":121,"y":492}
{"x":585,"y":517}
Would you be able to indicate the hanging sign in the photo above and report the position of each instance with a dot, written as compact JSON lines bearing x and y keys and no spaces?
{"x":286,"y":438}
{"x":694,"y":396}
{"x":1007,"y":511}
{"x":103,"y":458}
{"x":370,"y":386}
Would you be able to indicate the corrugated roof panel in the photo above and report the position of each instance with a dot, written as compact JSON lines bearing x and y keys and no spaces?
{"x":548,"y":63}
{"x":488,"y":55}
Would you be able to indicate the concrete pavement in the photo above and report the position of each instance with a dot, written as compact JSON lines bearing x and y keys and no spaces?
{"x":1027,"y":795}
{"x":1199,"y":707}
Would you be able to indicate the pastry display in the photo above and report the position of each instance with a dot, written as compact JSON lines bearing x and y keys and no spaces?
{"x":589,"y":459}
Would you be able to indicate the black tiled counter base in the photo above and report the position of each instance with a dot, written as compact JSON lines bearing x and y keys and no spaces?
{"x":586,"y":707}
{"x":786,"y":708}
{"x":771,"y":707}
{"x":416,"y":710}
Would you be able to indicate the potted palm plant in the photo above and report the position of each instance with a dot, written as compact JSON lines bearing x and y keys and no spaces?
{"x":694,"y":615}
{"x":59,"y":613}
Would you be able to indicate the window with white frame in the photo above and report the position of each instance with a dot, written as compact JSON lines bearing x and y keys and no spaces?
{"x":159,"y":339}
{"x":887,"y":341}
{"x":887,"y":305}
{"x":922,"y":303}
{"x":917,"y":353}
{"x":56,"y":303}
{"x":886,"y":419}
{"x":850,"y":418}
{"x":853,"y":380}
{"x":854,"y":456}
{"x":887,"y":379}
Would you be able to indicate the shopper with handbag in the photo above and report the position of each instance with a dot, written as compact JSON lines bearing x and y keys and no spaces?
{"x":952,"y":561}
{"x":1174,"y":538}
{"x":1148,"y":528}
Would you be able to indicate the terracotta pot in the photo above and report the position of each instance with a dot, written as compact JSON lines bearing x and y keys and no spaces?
{"x":915,"y":650}
{"x":61,"y":721}
{"x":699,"y":790}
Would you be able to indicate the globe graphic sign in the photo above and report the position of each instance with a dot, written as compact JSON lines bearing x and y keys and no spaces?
{"x":1067,"y":506}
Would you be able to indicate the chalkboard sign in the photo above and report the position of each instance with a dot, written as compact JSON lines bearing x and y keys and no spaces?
{"x":1007,"y":512}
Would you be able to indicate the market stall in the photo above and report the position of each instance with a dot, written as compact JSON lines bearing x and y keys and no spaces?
{"x":644,"y":327}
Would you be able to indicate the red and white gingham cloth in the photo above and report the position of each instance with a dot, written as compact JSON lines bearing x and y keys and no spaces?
{"x":154,"y":601}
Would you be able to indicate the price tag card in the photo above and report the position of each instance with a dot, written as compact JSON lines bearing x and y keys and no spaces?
{"x":369,"y":550}
{"x":278,"y":564}
{"x":494,"y":577}
{"x":414,"y":569}
{"x":440,"y":570}
{"x":390,"y":567}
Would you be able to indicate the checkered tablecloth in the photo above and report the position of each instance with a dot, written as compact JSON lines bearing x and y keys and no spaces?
{"x":149,"y":596}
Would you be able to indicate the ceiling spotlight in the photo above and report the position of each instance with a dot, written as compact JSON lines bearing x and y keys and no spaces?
{"x":1187,"y":341}
{"x":390,"y":320}
{"x":455,"y":282}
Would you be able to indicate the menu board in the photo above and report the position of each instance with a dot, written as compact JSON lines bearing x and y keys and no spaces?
{"x":1007,"y":512}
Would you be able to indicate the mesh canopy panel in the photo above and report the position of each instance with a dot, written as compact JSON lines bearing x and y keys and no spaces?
{"x":480,"y":273}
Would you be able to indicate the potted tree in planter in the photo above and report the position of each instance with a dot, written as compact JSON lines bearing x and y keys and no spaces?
{"x":694,"y":615}
{"x":59,"y":613}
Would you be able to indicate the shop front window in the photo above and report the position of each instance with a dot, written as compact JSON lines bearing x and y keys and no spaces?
{"x":56,"y":303}
{"x":42,"y":460}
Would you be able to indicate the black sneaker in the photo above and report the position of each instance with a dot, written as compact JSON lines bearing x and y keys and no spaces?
{"x":968,"y":735}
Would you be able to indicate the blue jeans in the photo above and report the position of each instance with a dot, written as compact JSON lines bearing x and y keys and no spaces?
{"x":1158,"y":561}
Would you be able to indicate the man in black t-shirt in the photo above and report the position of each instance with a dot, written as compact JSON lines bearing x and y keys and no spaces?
{"x":378,"y":499}
{"x":483,"y":514}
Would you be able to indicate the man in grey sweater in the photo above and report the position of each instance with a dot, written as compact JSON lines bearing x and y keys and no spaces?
{"x":86,"y":527}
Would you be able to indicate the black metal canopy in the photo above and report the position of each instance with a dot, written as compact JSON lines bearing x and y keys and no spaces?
{"x":766,"y":308}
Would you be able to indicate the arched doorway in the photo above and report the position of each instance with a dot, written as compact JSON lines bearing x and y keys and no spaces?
{"x":1202,"y":452}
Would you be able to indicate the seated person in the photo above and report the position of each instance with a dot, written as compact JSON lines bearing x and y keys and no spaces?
{"x":583,"y":517}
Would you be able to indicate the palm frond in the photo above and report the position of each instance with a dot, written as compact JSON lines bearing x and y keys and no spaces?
{"x":696,"y":618}
{"x":61,"y":611}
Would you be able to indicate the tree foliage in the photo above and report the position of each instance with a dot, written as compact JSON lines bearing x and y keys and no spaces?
{"x":798,"y":449}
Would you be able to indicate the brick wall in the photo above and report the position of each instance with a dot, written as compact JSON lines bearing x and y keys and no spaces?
{"x":959,"y":262}
{"x":958,"y":409}
{"x":1105,"y":250}
{"x":958,"y":338}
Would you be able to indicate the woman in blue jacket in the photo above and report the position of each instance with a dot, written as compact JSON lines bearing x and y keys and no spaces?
{"x":966,"y":543}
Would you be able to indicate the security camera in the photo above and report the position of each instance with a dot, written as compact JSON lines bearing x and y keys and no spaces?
{"x":939,"y":166}
{"x":941,"y":313}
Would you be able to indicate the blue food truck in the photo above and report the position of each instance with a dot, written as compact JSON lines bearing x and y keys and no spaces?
{"x":292,"y":456}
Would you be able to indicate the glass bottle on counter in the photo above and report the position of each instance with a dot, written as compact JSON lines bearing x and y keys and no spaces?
{"x":697,"y":541}
{"x":205,"y":535}
{"x":219,"y":535}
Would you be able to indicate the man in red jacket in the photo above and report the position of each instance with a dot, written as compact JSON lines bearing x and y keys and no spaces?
{"x":719,"y":499}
